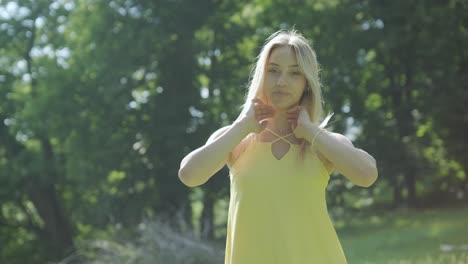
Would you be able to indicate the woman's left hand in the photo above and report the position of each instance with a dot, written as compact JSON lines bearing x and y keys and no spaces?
{"x":299,"y":120}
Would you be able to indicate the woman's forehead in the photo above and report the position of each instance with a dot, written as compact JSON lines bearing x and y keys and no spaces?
{"x":283,"y":56}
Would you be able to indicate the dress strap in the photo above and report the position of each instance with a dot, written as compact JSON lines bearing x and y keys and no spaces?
{"x":280,"y":137}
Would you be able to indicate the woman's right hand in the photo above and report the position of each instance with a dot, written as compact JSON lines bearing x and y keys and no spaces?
{"x":257,"y":115}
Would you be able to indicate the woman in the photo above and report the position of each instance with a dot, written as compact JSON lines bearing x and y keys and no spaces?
{"x":280,"y":160}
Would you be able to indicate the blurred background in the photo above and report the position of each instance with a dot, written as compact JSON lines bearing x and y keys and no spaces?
{"x":100,"y":101}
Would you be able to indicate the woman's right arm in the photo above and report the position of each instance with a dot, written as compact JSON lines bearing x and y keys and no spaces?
{"x":202,"y":163}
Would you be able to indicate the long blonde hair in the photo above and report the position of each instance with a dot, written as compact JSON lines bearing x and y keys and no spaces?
{"x":307,"y":61}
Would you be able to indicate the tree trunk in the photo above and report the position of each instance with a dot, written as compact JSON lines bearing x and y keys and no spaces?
{"x":207,"y":217}
{"x":410,"y":181}
{"x":464,"y":183}
{"x":56,"y":232}
{"x":397,"y":195}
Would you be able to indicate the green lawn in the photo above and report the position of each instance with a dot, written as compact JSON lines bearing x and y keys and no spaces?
{"x":394,"y":237}
{"x":404,"y":237}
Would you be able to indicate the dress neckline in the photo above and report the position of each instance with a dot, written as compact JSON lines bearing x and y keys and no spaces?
{"x":292,"y":147}
{"x":279,"y":137}
{"x":271,"y":142}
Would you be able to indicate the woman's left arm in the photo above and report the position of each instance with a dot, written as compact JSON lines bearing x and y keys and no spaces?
{"x":353,"y":163}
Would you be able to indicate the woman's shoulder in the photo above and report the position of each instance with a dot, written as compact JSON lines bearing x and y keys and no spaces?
{"x":239,"y":149}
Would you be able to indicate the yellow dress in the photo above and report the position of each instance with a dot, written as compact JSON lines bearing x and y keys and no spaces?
{"x":277,"y":210}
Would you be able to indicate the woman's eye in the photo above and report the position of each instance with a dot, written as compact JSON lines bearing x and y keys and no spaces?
{"x":296,"y":73}
{"x":273,"y":70}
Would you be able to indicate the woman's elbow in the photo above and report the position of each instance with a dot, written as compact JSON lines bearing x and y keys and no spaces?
{"x":370,"y":176}
{"x":188,"y":179}
{"x":185,"y":178}
{"x":365,"y":177}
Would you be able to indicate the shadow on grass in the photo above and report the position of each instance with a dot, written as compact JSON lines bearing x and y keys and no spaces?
{"x":157,"y":243}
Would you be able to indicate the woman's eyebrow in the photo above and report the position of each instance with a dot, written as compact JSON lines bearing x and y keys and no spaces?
{"x":276,"y":64}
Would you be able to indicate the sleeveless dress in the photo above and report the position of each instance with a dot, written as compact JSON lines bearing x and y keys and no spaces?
{"x":277,"y":209}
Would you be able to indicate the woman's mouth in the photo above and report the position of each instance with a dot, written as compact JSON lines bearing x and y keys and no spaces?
{"x":280,"y":93}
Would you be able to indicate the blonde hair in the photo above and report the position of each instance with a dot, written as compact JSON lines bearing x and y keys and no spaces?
{"x":307,"y":61}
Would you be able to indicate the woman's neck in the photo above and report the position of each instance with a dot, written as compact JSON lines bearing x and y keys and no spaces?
{"x":279,"y":123}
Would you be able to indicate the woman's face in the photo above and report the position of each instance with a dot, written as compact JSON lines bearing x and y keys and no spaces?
{"x":284,"y":80}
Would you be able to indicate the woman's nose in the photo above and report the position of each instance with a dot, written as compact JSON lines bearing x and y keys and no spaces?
{"x":281,"y":80}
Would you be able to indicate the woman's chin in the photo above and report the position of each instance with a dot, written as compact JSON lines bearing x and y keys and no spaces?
{"x":281,"y":105}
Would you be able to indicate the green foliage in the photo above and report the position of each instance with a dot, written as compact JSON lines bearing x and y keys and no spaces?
{"x":101,"y":100}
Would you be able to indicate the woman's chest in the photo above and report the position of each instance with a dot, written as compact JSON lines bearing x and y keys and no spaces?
{"x":258,"y":168}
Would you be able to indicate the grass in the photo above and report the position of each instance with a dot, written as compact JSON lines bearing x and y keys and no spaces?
{"x":391,"y":237}
{"x":156,"y":243}
{"x":406,"y":236}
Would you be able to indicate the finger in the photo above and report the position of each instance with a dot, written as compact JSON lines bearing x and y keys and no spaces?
{"x":264,"y":108}
{"x":264,"y":111}
{"x":268,"y":115}
{"x":257,"y":100}
{"x":269,"y":108}
{"x":263,"y":120}
{"x":265,"y":116}
{"x":260,"y":102}
{"x":294,"y":108}
{"x":263,"y":105}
